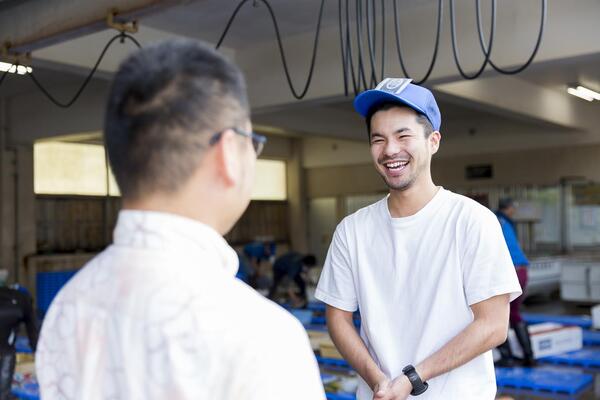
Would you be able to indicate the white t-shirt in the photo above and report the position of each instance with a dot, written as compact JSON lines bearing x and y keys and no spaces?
{"x":413,"y":280}
{"x":160,"y":315}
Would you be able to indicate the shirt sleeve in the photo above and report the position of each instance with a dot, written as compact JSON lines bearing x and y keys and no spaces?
{"x":516,"y":254}
{"x":336,"y":284}
{"x":488,"y":270}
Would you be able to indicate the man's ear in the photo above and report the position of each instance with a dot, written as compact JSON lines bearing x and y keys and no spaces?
{"x":434,"y":141}
{"x":228,"y":157}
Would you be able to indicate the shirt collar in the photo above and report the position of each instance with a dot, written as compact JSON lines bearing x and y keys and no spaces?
{"x":152,"y":230}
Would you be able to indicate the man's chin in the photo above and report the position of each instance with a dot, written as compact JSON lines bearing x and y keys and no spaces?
{"x":398,"y":186}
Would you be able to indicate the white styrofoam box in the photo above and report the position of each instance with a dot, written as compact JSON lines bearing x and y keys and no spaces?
{"x":596,"y":317}
{"x":496,"y":354}
{"x":574,"y":291}
{"x":594,"y":292}
{"x":594,"y":273}
{"x":549,"y":339}
{"x":574,"y":272}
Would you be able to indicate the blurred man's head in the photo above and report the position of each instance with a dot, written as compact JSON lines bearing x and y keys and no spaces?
{"x":178,"y":132}
{"x":507,"y":206}
{"x":309,"y":260}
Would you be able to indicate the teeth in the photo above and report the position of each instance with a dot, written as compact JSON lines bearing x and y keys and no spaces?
{"x":396,"y":164}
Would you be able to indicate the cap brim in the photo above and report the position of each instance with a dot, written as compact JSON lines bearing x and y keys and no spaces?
{"x":364,"y":102}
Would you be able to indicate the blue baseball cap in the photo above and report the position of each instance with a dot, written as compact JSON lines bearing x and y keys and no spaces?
{"x":400,"y":90}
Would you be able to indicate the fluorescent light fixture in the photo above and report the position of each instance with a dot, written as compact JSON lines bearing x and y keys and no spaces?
{"x":15,"y":69}
{"x":588,"y":92}
{"x":575,"y":92}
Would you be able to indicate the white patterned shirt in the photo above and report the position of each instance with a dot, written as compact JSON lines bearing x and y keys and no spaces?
{"x":160,"y":315}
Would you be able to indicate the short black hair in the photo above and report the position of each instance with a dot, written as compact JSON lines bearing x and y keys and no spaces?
{"x":505,"y":203}
{"x":421,"y":119}
{"x":309,"y":260}
{"x":165,"y":102}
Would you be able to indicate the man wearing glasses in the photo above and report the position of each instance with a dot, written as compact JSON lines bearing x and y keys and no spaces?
{"x":159,"y":313}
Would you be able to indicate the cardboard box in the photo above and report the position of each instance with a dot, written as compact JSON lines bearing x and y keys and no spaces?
{"x":328,"y":350}
{"x":549,"y":339}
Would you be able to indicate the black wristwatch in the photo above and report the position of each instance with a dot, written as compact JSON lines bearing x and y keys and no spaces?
{"x":419,"y":387}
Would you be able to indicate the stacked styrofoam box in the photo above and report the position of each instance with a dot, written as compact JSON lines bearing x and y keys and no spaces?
{"x":574,"y":281}
{"x":596,"y":317}
{"x":549,"y":339}
{"x":594,"y":281}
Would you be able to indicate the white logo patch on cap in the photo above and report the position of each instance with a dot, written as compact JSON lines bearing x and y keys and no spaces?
{"x":393,"y":85}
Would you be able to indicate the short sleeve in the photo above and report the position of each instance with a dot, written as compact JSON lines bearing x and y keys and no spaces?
{"x":336,"y":284}
{"x":487,"y":267}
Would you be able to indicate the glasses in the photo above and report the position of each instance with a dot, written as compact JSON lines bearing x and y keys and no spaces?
{"x":258,"y":141}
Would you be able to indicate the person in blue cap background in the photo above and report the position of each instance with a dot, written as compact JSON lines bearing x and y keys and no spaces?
{"x":506,"y":212}
{"x":427,"y":268}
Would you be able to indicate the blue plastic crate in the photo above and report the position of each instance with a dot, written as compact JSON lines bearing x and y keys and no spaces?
{"x":22,"y":345}
{"x":583,"y":321}
{"x":47,"y":286}
{"x":333,"y":361}
{"x":543,"y":380}
{"x":321,"y":321}
{"x":29,"y":391}
{"x":340,"y":396}
{"x":591,"y":338}
{"x":304,"y":316}
{"x":310,"y":327}
{"x":588,"y":357}
{"x":316,"y":306}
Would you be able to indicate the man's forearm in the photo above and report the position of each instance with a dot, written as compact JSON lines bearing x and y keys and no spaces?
{"x":350,"y":345}
{"x":477,"y":338}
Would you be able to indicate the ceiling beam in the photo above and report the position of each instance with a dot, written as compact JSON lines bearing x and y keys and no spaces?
{"x":32,"y":25}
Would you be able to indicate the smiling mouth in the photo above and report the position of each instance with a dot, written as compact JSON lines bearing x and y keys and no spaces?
{"x":395,"y":166}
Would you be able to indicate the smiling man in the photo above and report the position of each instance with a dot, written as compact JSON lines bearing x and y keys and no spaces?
{"x":428,"y":269}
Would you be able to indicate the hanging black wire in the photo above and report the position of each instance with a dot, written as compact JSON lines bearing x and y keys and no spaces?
{"x":121,"y":36}
{"x":353,"y":71}
{"x":435,"y":49}
{"x":359,"y":36}
{"x":533,"y":54}
{"x":356,"y":85}
{"x":5,"y":74}
{"x":487,"y":52}
{"x":371,"y":18}
{"x":280,"y":44}
{"x":382,"y":39}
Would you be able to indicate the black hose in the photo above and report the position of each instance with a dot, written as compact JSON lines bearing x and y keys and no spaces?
{"x":355,"y":74}
{"x":361,"y":69}
{"x":87,"y":80}
{"x":533,"y":54}
{"x":279,"y":42}
{"x":5,"y":74}
{"x":382,"y":39}
{"x":371,"y":39}
{"x":342,"y":49}
{"x":436,"y":47}
{"x":487,"y":52}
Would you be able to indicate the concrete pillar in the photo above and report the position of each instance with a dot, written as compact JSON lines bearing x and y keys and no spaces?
{"x":25,"y":227}
{"x":297,"y":200}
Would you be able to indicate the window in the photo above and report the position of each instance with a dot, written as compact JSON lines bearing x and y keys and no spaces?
{"x":63,"y":168}
{"x":71,"y":168}
{"x":270,"y":180}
